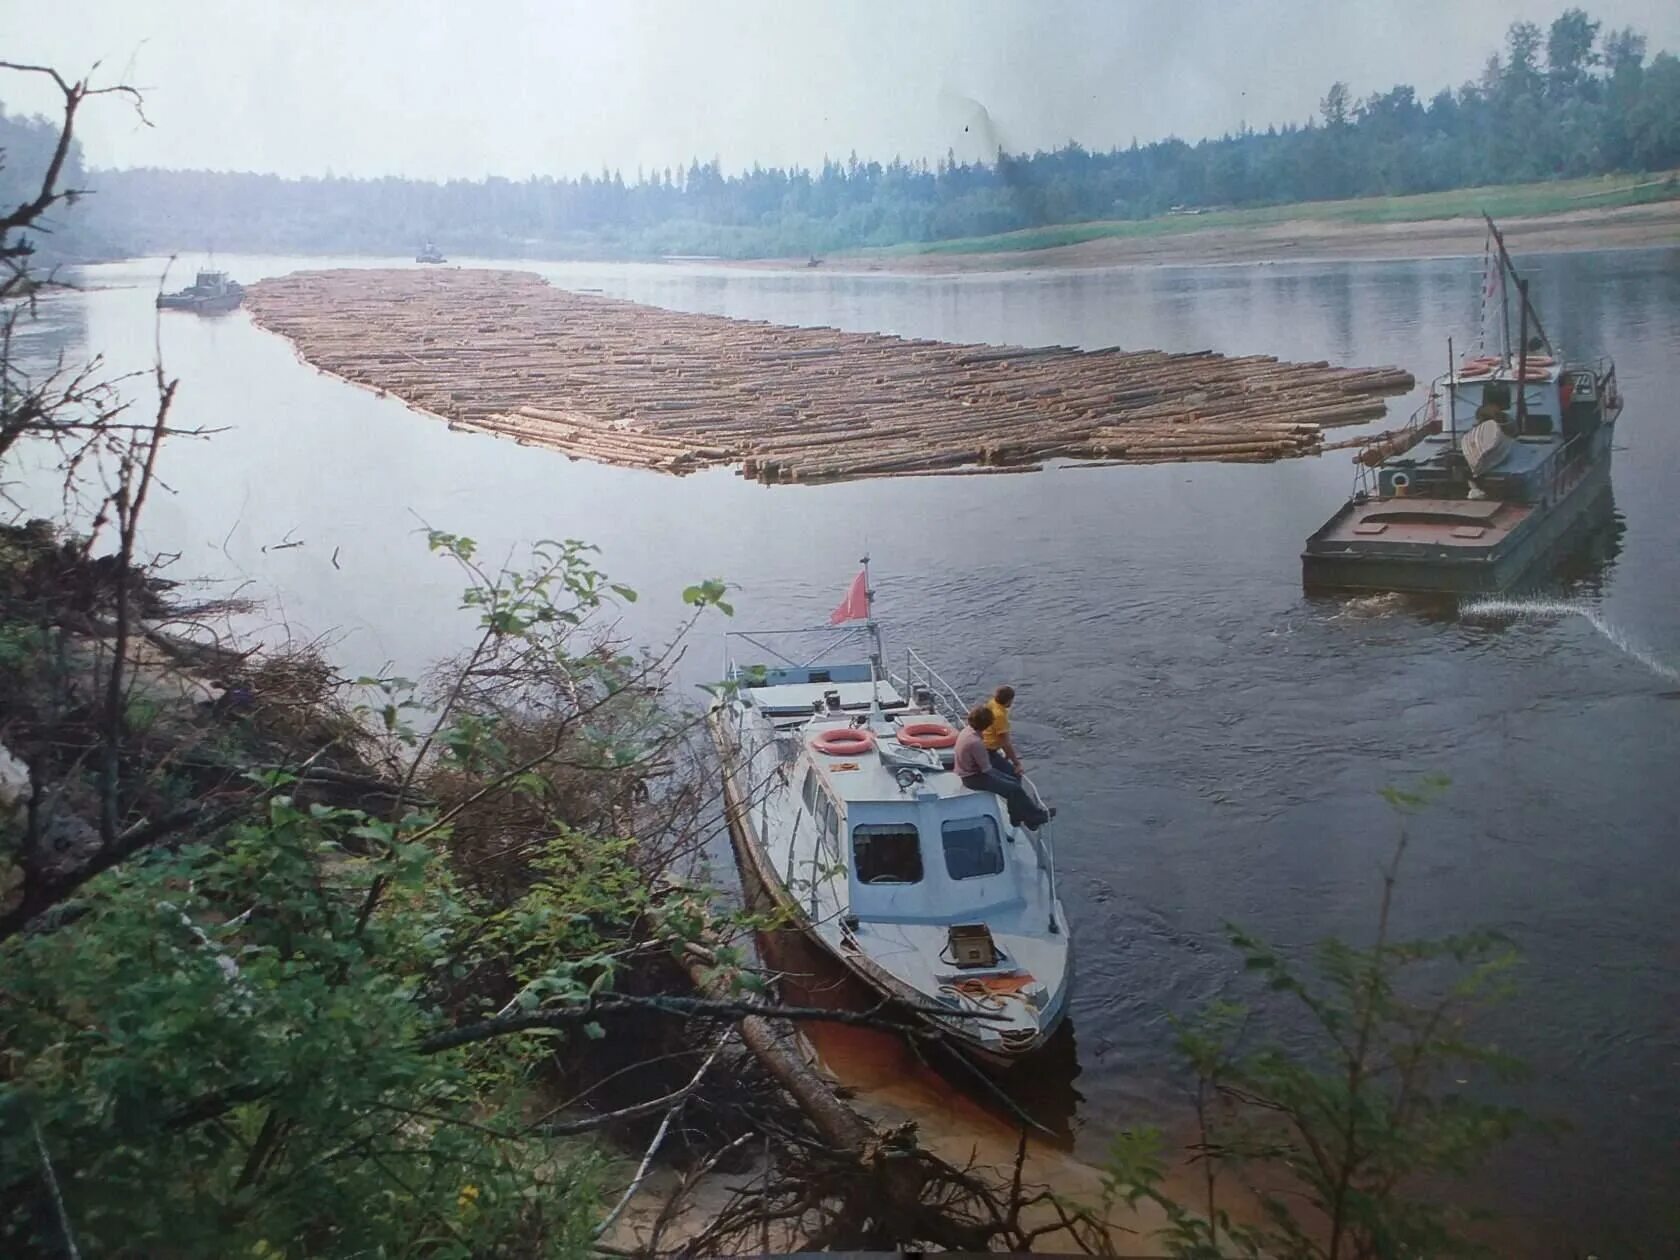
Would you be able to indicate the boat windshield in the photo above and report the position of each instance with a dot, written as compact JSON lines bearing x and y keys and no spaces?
{"x":972,"y":846}
{"x":887,"y":853}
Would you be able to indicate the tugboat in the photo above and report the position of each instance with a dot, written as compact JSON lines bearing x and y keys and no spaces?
{"x":430,"y":253}
{"x":843,"y":806}
{"x":1509,"y":454}
{"x":211,"y":293}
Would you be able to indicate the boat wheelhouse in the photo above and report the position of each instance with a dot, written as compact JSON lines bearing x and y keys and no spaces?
{"x":1506,"y":458}
{"x":844,"y":807}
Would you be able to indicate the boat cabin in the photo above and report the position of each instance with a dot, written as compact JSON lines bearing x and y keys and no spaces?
{"x":1558,"y":405}
{"x":917,"y":846}
{"x":1556,"y":401}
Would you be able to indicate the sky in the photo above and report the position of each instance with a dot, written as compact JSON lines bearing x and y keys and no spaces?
{"x":440,"y":88}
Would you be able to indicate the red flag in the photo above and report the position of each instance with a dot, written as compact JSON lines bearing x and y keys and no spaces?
{"x":856,"y":603}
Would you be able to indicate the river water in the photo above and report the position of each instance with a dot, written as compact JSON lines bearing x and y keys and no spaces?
{"x":1216,"y":741}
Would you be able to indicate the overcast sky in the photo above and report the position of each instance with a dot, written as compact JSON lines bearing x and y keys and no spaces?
{"x":438,"y":88}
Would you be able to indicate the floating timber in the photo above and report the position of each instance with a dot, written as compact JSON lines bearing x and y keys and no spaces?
{"x":600,"y":378}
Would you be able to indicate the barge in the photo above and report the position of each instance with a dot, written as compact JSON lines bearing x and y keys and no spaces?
{"x":1509,"y":455}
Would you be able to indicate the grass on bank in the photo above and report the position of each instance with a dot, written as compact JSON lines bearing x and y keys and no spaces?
{"x":1502,"y":201}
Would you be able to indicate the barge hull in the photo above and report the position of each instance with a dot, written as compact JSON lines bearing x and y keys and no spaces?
{"x":1422,"y":569}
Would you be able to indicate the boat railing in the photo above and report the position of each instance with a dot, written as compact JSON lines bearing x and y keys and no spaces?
{"x":919,"y":675}
{"x":791,"y":649}
{"x":1609,"y":392}
{"x":1366,"y":481}
{"x":1558,"y":468}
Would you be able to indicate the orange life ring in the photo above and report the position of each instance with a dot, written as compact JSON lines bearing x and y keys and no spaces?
{"x":1541,"y":360}
{"x":1483,"y":360}
{"x":1472,"y":370}
{"x":927,"y":735}
{"x":1533,"y":373}
{"x":844,"y":741}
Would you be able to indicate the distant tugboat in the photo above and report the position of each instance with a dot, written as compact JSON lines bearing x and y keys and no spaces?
{"x":430,"y":253}
{"x":1510,"y":453}
{"x":212,"y":293}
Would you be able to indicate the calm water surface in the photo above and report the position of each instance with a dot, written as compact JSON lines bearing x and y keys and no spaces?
{"x":1215,"y":740}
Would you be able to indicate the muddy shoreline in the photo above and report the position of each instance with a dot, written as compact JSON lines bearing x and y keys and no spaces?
{"x":1651,"y":226}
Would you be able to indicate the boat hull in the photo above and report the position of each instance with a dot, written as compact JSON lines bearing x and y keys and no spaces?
{"x":200,"y":306}
{"x":1420,"y":568}
{"x":757,"y":871}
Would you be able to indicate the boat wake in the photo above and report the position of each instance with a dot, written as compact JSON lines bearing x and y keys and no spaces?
{"x":1563,"y":608}
{"x":1365,"y":607}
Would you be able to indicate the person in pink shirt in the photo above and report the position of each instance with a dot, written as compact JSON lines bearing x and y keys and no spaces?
{"x":973,"y":765}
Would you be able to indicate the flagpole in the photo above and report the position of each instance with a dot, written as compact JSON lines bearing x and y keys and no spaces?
{"x":874,"y":640}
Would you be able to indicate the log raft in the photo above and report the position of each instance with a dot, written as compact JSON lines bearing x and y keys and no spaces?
{"x":599,"y":378}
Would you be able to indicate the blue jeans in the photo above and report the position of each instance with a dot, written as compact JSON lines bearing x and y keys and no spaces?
{"x":1023,"y":810}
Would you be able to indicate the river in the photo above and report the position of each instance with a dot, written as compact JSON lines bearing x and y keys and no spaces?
{"x":1216,"y":742}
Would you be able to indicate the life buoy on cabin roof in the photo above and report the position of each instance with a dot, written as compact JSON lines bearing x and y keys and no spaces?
{"x":843,"y":741}
{"x":927,"y":735}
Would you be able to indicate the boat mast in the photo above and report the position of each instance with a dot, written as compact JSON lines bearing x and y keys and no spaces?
{"x":1504,"y":297}
{"x":1452,"y":387}
{"x":1528,"y":307}
{"x":1522,"y":362}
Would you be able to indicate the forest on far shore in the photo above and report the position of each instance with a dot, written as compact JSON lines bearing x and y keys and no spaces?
{"x":1574,"y":99}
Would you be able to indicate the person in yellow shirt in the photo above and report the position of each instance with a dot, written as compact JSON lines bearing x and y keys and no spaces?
{"x":998,"y":743}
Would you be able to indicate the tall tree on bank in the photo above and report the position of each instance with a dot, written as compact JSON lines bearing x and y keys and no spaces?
{"x":1566,"y":100}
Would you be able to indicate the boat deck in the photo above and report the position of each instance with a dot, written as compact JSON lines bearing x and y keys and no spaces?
{"x":1457,"y":525}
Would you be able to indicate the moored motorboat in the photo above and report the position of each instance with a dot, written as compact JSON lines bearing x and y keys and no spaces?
{"x":844,"y":807}
{"x":1508,"y":455}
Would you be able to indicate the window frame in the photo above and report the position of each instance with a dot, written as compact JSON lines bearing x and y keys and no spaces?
{"x":868,"y":829}
{"x":988,"y":825}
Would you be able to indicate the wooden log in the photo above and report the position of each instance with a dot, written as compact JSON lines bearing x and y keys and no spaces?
{"x":607,"y":379}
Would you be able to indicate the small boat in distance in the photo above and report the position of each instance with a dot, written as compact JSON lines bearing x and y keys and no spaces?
{"x":211,"y":293}
{"x":844,"y":808}
{"x":1509,"y":455}
{"x":430,"y":253}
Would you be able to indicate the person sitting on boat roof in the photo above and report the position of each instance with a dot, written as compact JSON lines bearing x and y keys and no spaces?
{"x":974,"y":767}
{"x":998,"y":743}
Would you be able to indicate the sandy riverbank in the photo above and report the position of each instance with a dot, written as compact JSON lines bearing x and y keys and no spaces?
{"x":1627,"y":227}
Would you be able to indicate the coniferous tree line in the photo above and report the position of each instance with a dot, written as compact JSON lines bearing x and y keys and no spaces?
{"x":1574,"y":99}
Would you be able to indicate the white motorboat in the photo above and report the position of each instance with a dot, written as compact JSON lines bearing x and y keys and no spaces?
{"x":843,"y":804}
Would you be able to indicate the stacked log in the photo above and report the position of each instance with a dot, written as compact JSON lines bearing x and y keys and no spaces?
{"x":599,"y":378}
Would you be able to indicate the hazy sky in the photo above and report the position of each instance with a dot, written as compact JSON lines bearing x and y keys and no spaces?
{"x":436,"y":88}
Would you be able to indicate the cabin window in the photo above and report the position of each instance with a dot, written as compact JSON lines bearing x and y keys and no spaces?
{"x":811,"y":790}
{"x":972,"y":847}
{"x":827,"y":821}
{"x":887,"y":853}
